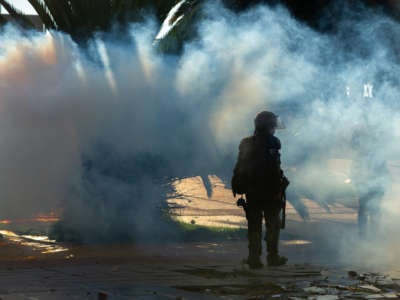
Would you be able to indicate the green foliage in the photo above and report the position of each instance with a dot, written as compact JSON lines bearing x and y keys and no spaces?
{"x":170,"y":231}
{"x":196,"y":233}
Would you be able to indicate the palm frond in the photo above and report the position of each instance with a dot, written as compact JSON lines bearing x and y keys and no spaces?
{"x":44,"y":13}
{"x":60,"y":13}
{"x":82,"y":18}
{"x":181,"y":27}
{"x":16,"y":15}
{"x":3,"y":20}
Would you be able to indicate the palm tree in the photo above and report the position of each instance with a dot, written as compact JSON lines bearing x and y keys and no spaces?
{"x":179,"y":26}
{"x":18,"y":17}
{"x":2,"y":19}
{"x":82,"y":18}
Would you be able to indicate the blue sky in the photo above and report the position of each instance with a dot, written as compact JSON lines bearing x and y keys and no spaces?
{"x":22,"y":5}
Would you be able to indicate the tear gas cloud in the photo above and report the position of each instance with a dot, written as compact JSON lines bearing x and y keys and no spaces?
{"x":82,"y":130}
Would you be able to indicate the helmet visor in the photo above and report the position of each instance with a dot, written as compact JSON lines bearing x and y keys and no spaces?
{"x":279,"y":123}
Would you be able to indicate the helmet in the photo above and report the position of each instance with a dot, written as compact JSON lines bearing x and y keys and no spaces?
{"x":266,"y":120}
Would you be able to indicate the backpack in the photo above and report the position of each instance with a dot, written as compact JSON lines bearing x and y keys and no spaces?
{"x":240,"y":178}
{"x":239,"y":183}
{"x":255,"y":165}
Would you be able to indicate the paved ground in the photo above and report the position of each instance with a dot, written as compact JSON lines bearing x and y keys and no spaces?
{"x":180,"y":271}
{"x":33,"y":267}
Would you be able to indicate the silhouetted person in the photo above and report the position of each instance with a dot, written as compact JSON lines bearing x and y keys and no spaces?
{"x":258,"y":174}
{"x":371,"y":177}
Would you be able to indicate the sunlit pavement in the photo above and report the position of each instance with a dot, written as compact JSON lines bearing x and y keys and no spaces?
{"x":193,"y":205}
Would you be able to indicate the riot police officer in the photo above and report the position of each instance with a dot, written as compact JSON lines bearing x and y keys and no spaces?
{"x":371,"y":177}
{"x":258,"y":175}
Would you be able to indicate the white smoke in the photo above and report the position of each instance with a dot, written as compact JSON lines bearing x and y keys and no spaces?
{"x":64,"y":109}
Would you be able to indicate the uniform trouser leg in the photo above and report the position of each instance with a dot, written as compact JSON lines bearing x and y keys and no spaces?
{"x":374,"y":209}
{"x":273,"y":226}
{"x":254,"y":219}
{"x":362,"y":217}
{"x":375,"y":217}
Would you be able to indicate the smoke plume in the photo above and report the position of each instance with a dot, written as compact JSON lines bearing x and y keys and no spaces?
{"x":98,"y":131}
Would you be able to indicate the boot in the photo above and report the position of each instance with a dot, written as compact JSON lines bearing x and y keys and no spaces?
{"x":276,"y":260}
{"x":254,"y":263}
